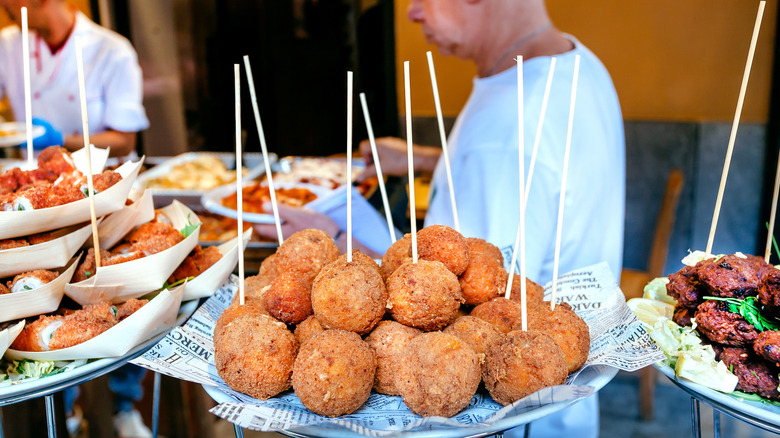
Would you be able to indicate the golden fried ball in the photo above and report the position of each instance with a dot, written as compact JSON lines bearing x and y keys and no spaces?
{"x":477,"y":333}
{"x":444,"y":244}
{"x":388,"y":340}
{"x":437,"y":374}
{"x":254,"y":354}
{"x":306,"y":252}
{"x":349,"y":296}
{"x":334,"y":372}
{"x":501,"y":312}
{"x":567,"y":329}
{"x":251,"y":306}
{"x":483,"y":280}
{"x":288,"y":298}
{"x":307,"y":328}
{"x":254,"y":287}
{"x":424,"y":295}
{"x":534,"y":293}
{"x":396,"y":255}
{"x":521,"y":364}
{"x":483,"y":246}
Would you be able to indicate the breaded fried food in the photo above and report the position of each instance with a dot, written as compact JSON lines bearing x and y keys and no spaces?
{"x":358,"y":256}
{"x":83,"y":325}
{"x":255,"y":286}
{"x":349,"y":296}
{"x":31,"y":280}
{"x":521,"y":364}
{"x":484,"y":278}
{"x":198,"y":260}
{"x":437,"y":374}
{"x":769,"y":292}
{"x":251,"y":306}
{"x":288,"y":298}
{"x":443,"y":244}
{"x":306,"y":252}
{"x":153,"y":237}
{"x":504,"y":314}
{"x":534,"y":292}
{"x":483,"y":246}
{"x":396,"y":255}
{"x":254,"y":354}
{"x":4,"y":289}
{"x":767,"y":345}
{"x":334,"y":372}
{"x":566,"y":328}
{"x":13,"y":243}
{"x":129,"y":307}
{"x":719,"y":324}
{"x":307,"y":328}
{"x":267,"y":271}
{"x":754,"y":374}
{"x":35,"y":336}
{"x":682,"y":315}
{"x":37,"y":238}
{"x":477,"y":333}
{"x":425,"y":295}
{"x":388,"y":340}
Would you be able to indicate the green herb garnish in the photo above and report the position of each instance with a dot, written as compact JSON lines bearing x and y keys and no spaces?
{"x":190,"y":228}
{"x":750,"y":311}
{"x":174,"y":284}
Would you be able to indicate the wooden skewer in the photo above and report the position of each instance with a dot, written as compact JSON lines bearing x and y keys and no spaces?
{"x":378,"y":167}
{"x":349,"y":166}
{"x":27,"y":92}
{"x":532,"y":165}
{"x":268,"y":174}
{"x":565,"y":172}
{"x":239,"y":187}
{"x":410,"y":158}
{"x":443,"y":136}
{"x":772,"y":214}
{"x":734,"y":126}
{"x":85,"y":131}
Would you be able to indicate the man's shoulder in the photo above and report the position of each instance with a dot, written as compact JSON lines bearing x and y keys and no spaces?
{"x":94,"y":33}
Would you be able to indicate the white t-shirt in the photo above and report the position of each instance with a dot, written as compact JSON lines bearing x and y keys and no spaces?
{"x":112,"y":76}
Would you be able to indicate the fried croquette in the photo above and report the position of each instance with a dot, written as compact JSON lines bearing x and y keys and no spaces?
{"x":349,"y":296}
{"x":31,"y":280}
{"x":306,"y":252}
{"x":334,"y":372}
{"x":254,"y":286}
{"x":129,"y":307}
{"x":251,"y":306}
{"x":288,"y":298}
{"x":566,"y":328}
{"x":483,"y":246}
{"x":501,"y":312}
{"x":388,"y":340}
{"x":396,"y":255}
{"x":437,"y":374}
{"x":62,"y":331}
{"x":254,"y":354}
{"x":267,"y":272}
{"x":153,"y":237}
{"x":444,"y":244}
{"x":198,"y":260}
{"x":307,"y":328}
{"x":521,"y":364}
{"x":477,"y":333}
{"x":424,"y":295}
{"x":534,"y":292}
{"x":35,"y":336}
{"x":484,"y":278}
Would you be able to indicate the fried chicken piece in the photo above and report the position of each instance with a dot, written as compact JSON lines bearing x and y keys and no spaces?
{"x":756,"y":376}
{"x":87,"y":268}
{"x":443,"y":244}
{"x":196,"y":262}
{"x":83,"y":325}
{"x":4,"y":290}
{"x":767,"y":345}
{"x":683,"y":286}
{"x":56,"y":160}
{"x":31,"y":280}
{"x":714,"y":320}
{"x":129,"y":307}
{"x":154,"y":237}
{"x":35,"y":336}
{"x":682,"y":315}
{"x":388,"y":340}
{"x":35,"y":239}
{"x":13,"y":243}
{"x":105,"y":180}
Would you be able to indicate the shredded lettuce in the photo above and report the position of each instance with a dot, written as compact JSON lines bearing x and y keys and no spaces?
{"x":656,"y":290}
{"x":13,"y":371}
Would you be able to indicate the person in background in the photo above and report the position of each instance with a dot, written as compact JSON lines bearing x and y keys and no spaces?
{"x":115,"y":112}
{"x":112,"y":77}
{"x":483,"y":150}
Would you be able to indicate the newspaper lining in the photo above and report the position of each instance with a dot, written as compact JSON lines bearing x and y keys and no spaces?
{"x":618,"y":340}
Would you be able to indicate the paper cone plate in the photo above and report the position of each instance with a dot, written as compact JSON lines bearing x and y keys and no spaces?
{"x":8,"y":335}
{"x":119,"y":223}
{"x":118,"y":283}
{"x":157,"y":316}
{"x":209,"y":280}
{"x":47,"y":255}
{"x":34,"y":302}
{"x":99,"y":157}
{"x":23,"y":223}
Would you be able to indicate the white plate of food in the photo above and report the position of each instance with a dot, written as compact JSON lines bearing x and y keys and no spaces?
{"x":14,"y":133}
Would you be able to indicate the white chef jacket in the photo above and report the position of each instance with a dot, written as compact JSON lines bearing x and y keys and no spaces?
{"x":112,"y":79}
{"x":483,"y":151}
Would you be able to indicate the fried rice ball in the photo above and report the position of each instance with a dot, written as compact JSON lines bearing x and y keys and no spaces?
{"x":288,"y":298}
{"x":424,"y":295}
{"x":254,"y":287}
{"x":254,"y":354}
{"x":334,"y":372}
{"x":251,"y":306}
{"x":349,"y":296}
{"x":504,"y":314}
{"x":268,"y":271}
{"x":483,"y":246}
{"x":521,"y":364}
{"x":307,"y":328}
{"x":306,"y":252}
{"x":534,"y":292}
{"x":388,"y":340}
{"x":437,"y":374}
{"x":396,"y":256}
{"x":477,"y":333}
{"x":484,"y":278}
{"x":444,"y":244}
{"x":566,"y":328}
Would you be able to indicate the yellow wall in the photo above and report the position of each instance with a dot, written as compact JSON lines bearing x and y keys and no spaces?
{"x":670,"y":60}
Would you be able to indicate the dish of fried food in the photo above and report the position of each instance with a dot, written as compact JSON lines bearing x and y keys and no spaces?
{"x":566,"y":328}
{"x":254,"y":354}
{"x":306,"y":252}
{"x":205,"y":172}
{"x":437,"y":374}
{"x":334,"y":372}
{"x":444,"y":244}
{"x":388,"y":340}
{"x":255,"y":195}
{"x":424,"y":295}
{"x":521,"y":364}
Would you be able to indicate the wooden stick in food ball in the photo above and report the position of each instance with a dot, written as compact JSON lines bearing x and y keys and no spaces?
{"x":27,"y":92}
{"x":264,"y":147}
{"x":443,"y":136}
{"x":380,"y":178}
{"x":348,"y":185}
{"x":772,"y":214}
{"x":239,"y":188}
{"x":559,"y":230}
{"x":734,"y":127}
{"x":87,"y":149}
{"x":410,"y":158}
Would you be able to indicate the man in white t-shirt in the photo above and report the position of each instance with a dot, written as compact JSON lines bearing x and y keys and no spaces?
{"x":112,"y":77}
{"x":483,"y":148}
